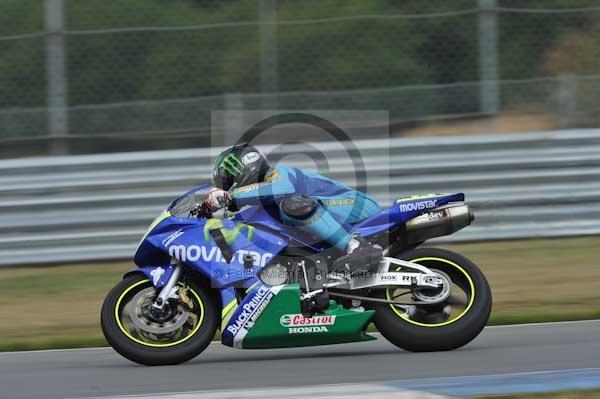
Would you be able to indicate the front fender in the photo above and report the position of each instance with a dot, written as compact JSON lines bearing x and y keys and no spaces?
{"x":158,"y":275}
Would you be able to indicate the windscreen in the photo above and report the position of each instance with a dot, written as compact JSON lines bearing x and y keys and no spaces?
{"x":182,"y":206}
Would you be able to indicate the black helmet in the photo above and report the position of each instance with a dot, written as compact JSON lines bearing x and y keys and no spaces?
{"x":239,"y":166}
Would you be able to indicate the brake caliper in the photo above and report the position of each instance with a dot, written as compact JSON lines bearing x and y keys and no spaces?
{"x":184,"y":297}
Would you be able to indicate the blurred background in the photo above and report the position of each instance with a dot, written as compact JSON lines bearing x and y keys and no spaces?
{"x":105,"y":116}
{"x":88,"y":77}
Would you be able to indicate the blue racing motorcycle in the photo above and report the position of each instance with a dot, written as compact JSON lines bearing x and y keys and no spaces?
{"x":265,"y":285}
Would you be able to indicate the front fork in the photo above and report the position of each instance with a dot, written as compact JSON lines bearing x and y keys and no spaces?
{"x":170,"y":288}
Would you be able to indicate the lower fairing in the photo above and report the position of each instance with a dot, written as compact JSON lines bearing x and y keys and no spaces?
{"x":269,"y":317}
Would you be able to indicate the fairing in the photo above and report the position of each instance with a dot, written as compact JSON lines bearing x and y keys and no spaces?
{"x":269,"y":317}
{"x":189,"y":240}
{"x":402,"y":211}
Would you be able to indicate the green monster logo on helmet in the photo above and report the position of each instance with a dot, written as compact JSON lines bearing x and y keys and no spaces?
{"x":231,"y":163}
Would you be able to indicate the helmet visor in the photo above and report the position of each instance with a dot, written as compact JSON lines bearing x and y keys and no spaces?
{"x":223,"y":179}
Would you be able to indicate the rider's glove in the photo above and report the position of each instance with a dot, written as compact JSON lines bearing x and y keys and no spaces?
{"x":217,"y":199}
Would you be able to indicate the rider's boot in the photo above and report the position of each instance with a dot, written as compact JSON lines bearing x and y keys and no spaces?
{"x":361,"y":256}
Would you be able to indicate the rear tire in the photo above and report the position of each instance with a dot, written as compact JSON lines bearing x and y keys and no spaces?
{"x":422,"y":337}
{"x":156,"y":356}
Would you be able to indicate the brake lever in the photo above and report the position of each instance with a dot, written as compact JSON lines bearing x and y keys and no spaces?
{"x":200,"y":211}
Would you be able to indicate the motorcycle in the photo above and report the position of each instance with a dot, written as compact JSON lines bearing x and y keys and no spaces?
{"x":264,"y":285}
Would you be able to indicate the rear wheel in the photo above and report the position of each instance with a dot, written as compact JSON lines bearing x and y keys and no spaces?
{"x":173,"y":335}
{"x":445,"y":326}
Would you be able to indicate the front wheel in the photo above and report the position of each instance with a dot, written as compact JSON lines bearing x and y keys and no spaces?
{"x":444,"y":326}
{"x":173,"y":335}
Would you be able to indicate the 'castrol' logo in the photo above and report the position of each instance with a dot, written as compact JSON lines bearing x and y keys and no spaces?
{"x":295,"y":320}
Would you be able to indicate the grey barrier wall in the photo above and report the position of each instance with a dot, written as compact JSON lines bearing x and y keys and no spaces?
{"x":97,"y":207}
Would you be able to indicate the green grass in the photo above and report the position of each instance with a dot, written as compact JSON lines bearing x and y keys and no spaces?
{"x":540,"y":280}
{"x":532,"y":281}
{"x":55,"y":343}
{"x":54,"y":307}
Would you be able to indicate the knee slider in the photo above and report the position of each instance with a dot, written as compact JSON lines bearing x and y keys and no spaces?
{"x":299,"y":206}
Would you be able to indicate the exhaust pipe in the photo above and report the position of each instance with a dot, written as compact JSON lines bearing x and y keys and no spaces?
{"x":439,"y":222}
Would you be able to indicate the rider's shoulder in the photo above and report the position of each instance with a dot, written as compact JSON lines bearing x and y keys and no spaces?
{"x":287,"y":172}
{"x":279,"y":171}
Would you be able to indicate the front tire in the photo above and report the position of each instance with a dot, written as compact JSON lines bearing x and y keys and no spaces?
{"x":430,"y":331}
{"x":149,"y":347}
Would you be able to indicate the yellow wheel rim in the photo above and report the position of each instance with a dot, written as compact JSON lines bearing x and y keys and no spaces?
{"x":165,"y":345}
{"x":388,"y":295}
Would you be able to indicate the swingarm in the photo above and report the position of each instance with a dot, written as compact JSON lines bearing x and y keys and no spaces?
{"x":408,"y":275}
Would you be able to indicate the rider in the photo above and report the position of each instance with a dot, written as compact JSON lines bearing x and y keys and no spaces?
{"x":309,"y":201}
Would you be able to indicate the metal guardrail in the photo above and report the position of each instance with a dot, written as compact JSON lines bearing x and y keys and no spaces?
{"x":96,"y":207}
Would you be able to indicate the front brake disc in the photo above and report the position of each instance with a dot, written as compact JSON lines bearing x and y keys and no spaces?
{"x":144,"y":298}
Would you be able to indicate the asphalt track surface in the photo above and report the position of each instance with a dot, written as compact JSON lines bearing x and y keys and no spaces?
{"x":504,"y":354}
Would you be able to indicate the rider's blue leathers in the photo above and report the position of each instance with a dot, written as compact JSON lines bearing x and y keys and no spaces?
{"x":337,"y":206}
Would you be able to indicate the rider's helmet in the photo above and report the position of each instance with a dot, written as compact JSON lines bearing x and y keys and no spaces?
{"x":239,"y":166}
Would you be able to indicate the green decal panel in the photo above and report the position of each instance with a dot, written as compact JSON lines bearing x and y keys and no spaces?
{"x":230,"y":235}
{"x":282,"y":325}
